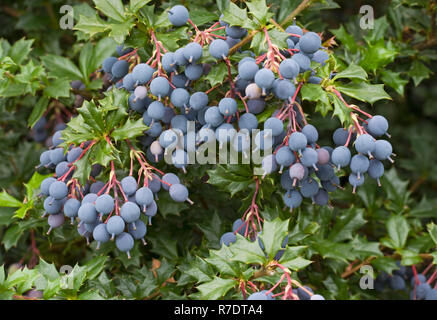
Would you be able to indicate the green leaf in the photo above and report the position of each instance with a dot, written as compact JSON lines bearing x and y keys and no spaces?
{"x":135,"y":5}
{"x":231,"y":182}
{"x":95,"y":266}
{"x":273,"y":235}
{"x":129,"y":130}
{"x":385,"y":264}
{"x":352,"y":72}
{"x":314,"y":92}
{"x":340,"y":110}
{"x":20,"y":51}
{"x":85,"y":61}
{"x":434,"y":257}
{"x":119,"y":31}
{"x":103,"y":49}
{"x":394,"y":80}
{"x":22,"y":279}
{"x":247,"y":251}
{"x":260,"y":11}
{"x":11,"y":236}
{"x":111,"y":8}
{"x":398,"y":228}
{"x":291,"y":258}
{"x":91,"y":25}
{"x":409,"y":257}
{"x":202,"y":15}
{"x":217,"y":74}
{"x":346,"y":38}
{"x":47,"y":270}
{"x":216,"y":288}
{"x":93,"y":116}
{"x":363,"y":91}
{"x":34,"y":183}
{"x":58,"y":88}
{"x":378,"y":55}
{"x":337,"y":251}
{"x":200,"y":270}
{"x":236,"y":16}
{"x":347,"y":224}
{"x":221,"y":260}
{"x":61,"y":67}
{"x":77,"y":131}
{"x":83,"y":168}
{"x":7,"y":200}
{"x":379,"y":30}
{"x":419,"y":72}
{"x":38,"y":110}
{"x":52,"y":288}
{"x":103,"y":153}
{"x":396,"y":190}
{"x":432,"y":229}
{"x":76,"y":278}
{"x":90,"y":295}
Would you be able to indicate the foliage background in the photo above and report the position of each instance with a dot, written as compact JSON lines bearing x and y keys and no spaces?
{"x":401,"y":53}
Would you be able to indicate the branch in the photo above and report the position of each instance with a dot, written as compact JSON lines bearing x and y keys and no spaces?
{"x":349,"y":271}
{"x":301,"y":7}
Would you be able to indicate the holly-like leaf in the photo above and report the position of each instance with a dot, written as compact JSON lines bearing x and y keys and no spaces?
{"x":7,"y":200}
{"x":135,"y":5}
{"x":217,"y":74}
{"x":11,"y":236}
{"x":200,"y":270}
{"x":419,"y":72}
{"x":259,"y":10}
{"x":385,"y":264}
{"x":352,"y":72}
{"x":363,"y":91}
{"x":93,"y":116}
{"x":231,"y":182}
{"x":58,"y":88}
{"x":432,"y":229}
{"x":235,"y":16}
{"x":346,"y":39}
{"x":273,"y":235}
{"x":221,"y":260}
{"x":378,"y":55}
{"x":91,"y":25}
{"x":314,"y":92}
{"x":38,"y":110}
{"x":346,"y":225}
{"x":95,"y":266}
{"x":129,"y":130}
{"x":61,"y":67}
{"x":20,"y":51}
{"x":394,"y":80}
{"x":292,"y":259}
{"x":112,"y":8}
{"x":216,"y":288}
{"x":340,"y":110}
{"x":398,"y":228}
{"x":247,"y":251}
{"x":119,"y":31}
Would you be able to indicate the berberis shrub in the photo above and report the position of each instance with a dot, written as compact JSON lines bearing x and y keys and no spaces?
{"x":184,"y":154}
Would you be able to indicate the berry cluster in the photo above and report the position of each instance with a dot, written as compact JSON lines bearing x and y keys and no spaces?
{"x":99,"y":213}
{"x":407,"y":278}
